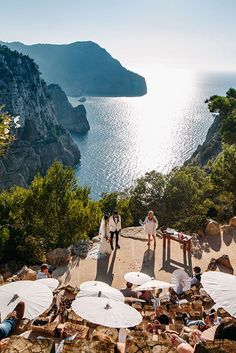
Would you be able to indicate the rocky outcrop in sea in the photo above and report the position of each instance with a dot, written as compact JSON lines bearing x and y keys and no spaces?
{"x":40,"y":139}
{"x":73,"y":119}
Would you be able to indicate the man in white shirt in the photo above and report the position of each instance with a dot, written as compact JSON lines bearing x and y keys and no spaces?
{"x":43,"y":273}
{"x":115,"y":228}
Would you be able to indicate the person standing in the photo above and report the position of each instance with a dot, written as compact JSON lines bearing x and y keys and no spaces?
{"x":150,"y":227}
{"x":104,"y":233}
{"x":115,"y":228}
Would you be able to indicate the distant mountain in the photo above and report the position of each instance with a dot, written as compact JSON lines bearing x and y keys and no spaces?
{"x":83,"y":68}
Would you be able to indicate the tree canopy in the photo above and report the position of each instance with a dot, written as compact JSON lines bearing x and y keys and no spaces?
{"x":226,"y":107}
{"x":53,"y":212}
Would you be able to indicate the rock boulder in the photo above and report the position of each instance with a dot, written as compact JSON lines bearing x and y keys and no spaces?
{"x":224,"y":261}
{"x":59,"y":257}
{"x":212,"y":228}
{"x":26,"y":274}
{"x":232,"y":222}
{"x":6,"y":275}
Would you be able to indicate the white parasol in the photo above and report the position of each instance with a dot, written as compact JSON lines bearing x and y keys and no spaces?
{"x":106,"y":312}
{"x":105,"y":292}
{"x":37,"y":298}
{"x":181,"y":282}
{"x":51,"y":283}
{"x":221,"y":287}
{"x":153,"y":284}
{"x":137,"y":277}
{"x":93,"y":284}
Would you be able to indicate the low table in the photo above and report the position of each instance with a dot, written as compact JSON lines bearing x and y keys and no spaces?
{"x":184,"y":239}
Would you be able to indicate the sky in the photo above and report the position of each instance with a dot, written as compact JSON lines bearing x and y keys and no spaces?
{"x":195,"y":34}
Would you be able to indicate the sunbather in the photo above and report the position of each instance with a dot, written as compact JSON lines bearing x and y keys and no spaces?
{"x":8,"y":326}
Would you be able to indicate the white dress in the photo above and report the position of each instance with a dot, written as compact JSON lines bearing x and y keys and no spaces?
{"x":103,"y":248}
{"x":150,"y":226}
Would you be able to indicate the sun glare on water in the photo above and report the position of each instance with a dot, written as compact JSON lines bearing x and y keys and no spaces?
{"x":130,"y":136}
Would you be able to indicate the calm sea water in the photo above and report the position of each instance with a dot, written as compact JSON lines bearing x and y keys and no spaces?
{"x":130,"y":136}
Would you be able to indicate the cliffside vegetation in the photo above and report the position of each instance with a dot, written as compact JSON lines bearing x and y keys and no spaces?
{"x":6,"y":137}
{"x":226,"y":108}
{"x":55,"y":211}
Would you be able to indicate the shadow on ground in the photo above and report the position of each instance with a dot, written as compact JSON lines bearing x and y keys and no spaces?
{"x":169,"y":264}
{"x":105,"y":268}
{"x":148,"y":265}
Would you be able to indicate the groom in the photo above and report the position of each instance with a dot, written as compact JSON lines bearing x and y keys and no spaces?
{"x":115,"y":228}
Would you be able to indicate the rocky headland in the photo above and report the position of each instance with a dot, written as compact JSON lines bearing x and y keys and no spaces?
{"x":210,"y":148}
{"x":83,"y":68}
{"x":73,"y":119}
{"x":40,"y":139}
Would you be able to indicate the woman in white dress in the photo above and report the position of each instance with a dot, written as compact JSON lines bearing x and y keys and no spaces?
{"x":104,"y":233}
{"x":150,"y":227}
{"x":103,"y":248}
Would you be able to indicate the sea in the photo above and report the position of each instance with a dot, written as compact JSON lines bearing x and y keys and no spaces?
{"x":159,"y":131}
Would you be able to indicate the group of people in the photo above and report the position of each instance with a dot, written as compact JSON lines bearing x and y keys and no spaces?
{"x":162,"y":316}
{"x":110,"y":229}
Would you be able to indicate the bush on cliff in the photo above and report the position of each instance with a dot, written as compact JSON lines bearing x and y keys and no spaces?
{"x":226,"y":107}
{"x":223,"y":175}
{"x":53,"y":212}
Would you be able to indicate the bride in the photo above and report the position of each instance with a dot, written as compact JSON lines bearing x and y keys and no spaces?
{"x":103,"y":248}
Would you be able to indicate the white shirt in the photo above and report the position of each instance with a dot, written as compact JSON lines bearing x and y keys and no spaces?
{"x":115,"y":223}
{"x":41,"y":275}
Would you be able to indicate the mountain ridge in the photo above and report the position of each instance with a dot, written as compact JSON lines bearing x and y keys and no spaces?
{"x":83,"y":68}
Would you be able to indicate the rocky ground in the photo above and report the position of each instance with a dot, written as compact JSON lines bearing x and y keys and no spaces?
{"x":134,"y":255}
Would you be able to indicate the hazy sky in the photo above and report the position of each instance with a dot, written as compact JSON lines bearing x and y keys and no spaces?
{"x":186,"y":33}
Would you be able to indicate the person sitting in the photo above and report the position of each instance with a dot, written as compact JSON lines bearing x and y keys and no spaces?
{"x":196,"y":279}
{"x":226,"y":330}
{"x":173,"y":297}
{"x":8,"y":326}
{"x":159,"y":322}
{"x":43,"y":273}
{"x":214,"y":319}
{"x":199,"y":323}
{"x":147,"y":296}
{"x":162,"y":318}
{"x":128,"y":292}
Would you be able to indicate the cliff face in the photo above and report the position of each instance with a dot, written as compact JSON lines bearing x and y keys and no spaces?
{"x":211,"y":147}
{"x":73,"y":119}
{"x":40,"y":139}
{"x":83,"y":68}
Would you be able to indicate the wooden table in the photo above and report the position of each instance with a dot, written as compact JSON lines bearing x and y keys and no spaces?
{"x":186,"y":241}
